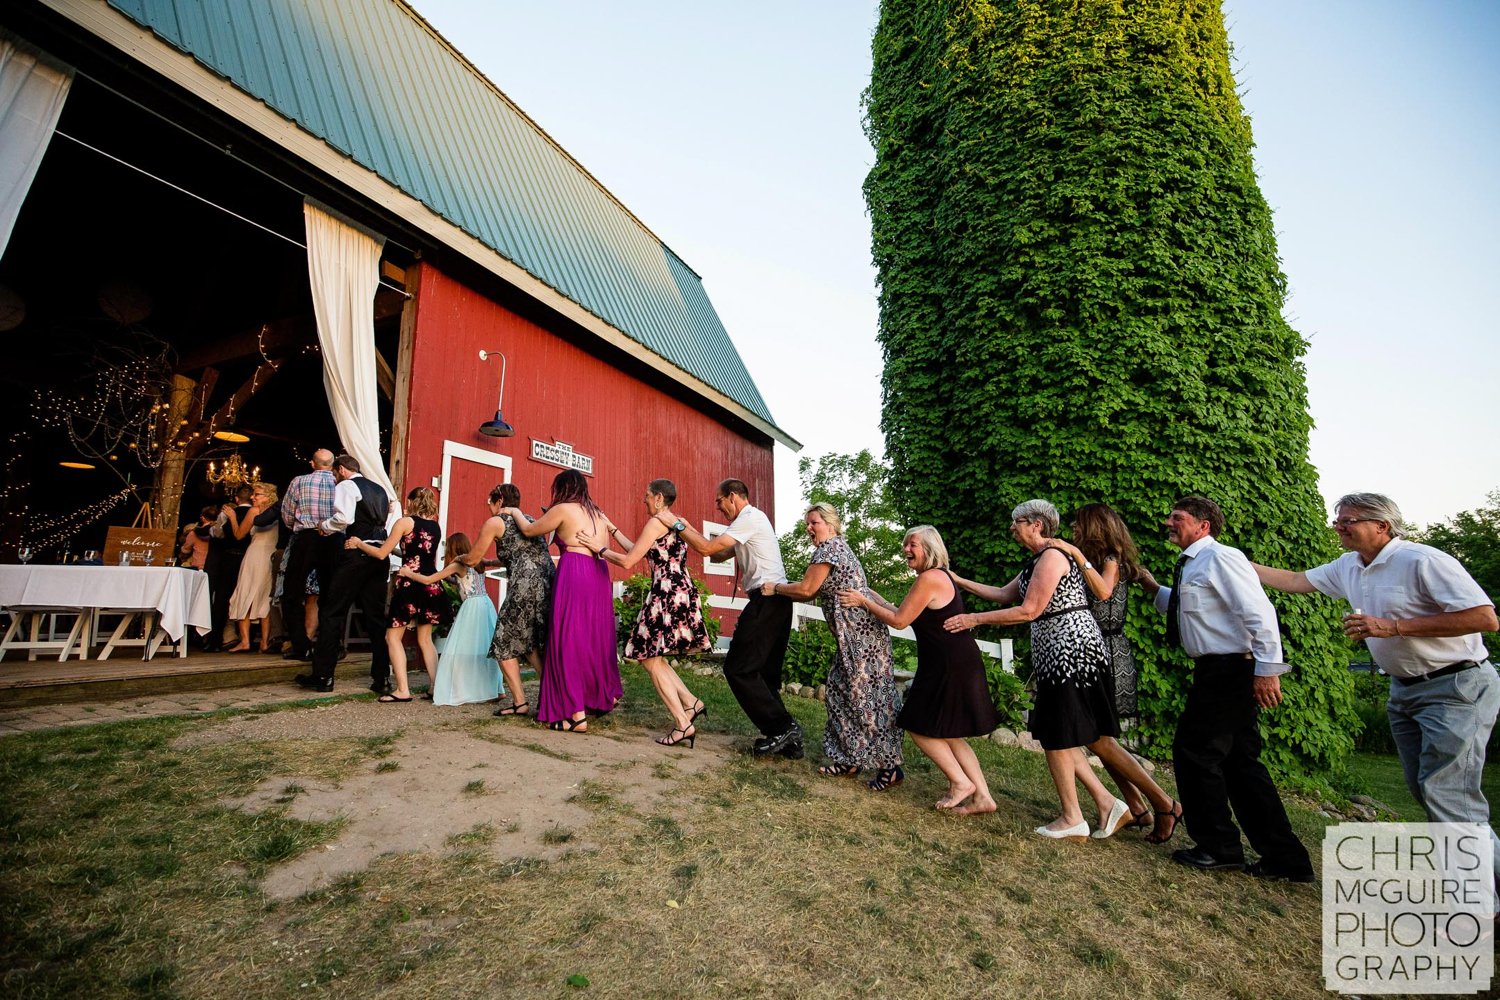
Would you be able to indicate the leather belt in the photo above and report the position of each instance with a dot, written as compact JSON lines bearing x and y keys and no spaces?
{"x":1452,"y":668}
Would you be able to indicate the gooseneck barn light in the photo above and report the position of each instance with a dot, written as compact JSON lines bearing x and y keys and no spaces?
{"x":497,"y":428}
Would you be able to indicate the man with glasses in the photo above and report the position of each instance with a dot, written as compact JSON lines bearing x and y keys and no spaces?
{"x":1220,"y":615}
{"x":756,"y":656}
{"x":1420,"y":614}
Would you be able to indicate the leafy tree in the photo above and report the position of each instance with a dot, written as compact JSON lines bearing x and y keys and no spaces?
{"x":1473,"y":538}
{"x":1081,"y":300}
{"x":858,"y":487}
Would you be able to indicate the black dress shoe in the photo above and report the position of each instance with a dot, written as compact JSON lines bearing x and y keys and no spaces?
{"x":1197,"y":857}
{"x":385,"y":688}
{"x":1273,"y":873}
{"x":292,"y":654}
{"x":313,"y":683}
{"x":776,"y":744}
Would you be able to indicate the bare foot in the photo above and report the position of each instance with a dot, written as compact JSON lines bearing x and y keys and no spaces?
{"x":985,"y":805}
{"x":955,"y":797}
{"x":236,"y":649}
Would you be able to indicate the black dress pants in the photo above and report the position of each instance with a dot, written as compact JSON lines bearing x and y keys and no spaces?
{"x":221,"y":583}
{"x":357,"y":578}
{"x":755,"y":660}
{"x":310,"y":551}
{"x":1216,"y":754}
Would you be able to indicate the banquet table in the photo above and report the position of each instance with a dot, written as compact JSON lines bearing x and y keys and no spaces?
{"x":170,"y":597}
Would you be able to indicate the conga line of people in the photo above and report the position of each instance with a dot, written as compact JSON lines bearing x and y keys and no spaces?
{"x":558,"y":615}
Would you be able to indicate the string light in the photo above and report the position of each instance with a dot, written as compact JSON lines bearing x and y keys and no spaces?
{"x":44,"y":531}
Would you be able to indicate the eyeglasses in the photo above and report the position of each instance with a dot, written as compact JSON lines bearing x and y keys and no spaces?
{"x":1344,"y":522}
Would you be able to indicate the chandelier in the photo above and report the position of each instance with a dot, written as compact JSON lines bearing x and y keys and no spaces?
{"x":233,"y":474}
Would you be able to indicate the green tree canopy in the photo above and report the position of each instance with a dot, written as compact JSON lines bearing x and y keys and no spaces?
{"x":858,"y":487}
{"x":1081,"y":300}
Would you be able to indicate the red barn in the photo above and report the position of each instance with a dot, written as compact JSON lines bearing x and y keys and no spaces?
{"x":325,"y":214}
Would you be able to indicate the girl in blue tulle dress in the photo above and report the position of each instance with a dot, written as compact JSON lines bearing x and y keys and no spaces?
{"x":466,"y":672}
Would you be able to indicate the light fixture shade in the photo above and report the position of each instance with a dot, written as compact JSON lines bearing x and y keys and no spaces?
{"x":497,"y":428}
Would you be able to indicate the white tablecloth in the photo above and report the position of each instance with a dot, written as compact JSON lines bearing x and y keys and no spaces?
{"x":179,"y":595}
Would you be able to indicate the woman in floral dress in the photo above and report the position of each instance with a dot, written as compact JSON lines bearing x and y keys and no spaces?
{"x":862,"y":730}
{"x":671,"y":620}
{"x":521,"y":625}
{"x":414,"y":605}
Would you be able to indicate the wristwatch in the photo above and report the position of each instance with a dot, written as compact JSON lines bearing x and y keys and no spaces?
{"x":678,"y":525}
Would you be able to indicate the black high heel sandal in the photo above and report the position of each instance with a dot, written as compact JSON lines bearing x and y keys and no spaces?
{"x":886,"y":778}
{"x":699,"y":709}
{"x":672,"y":739}
{"x":1174,"y":814}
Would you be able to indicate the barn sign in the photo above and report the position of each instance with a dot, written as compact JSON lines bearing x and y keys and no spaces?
{"x":562,"y":455}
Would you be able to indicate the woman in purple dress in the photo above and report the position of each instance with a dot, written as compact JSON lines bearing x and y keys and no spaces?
{"x":671,"y":620}
{"x":581,"y":673}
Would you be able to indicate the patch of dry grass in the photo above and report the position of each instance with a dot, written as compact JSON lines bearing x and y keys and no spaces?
{"x":756,"y":878}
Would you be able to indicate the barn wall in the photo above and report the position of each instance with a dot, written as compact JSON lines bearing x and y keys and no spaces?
{"x":557,"y":391}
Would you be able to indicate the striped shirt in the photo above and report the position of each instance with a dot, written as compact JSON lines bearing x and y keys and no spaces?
{"x":308,"y":500}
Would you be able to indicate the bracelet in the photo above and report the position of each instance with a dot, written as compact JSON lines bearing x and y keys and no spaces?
{"x":1087,"y":565}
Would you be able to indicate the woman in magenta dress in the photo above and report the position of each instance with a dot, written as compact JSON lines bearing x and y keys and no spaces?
{"x":581,"y":674}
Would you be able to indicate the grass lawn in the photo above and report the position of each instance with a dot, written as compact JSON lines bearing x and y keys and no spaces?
{"x":1381,"y":774}
{"x":124,"y":873}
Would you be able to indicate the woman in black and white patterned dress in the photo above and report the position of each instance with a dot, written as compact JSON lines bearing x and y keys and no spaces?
{"x":1074,"y":707}
{"x":861,"y":730}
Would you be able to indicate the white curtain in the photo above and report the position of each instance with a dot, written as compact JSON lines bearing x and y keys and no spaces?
{"x":31,"y":100}
{"x":343,"y":264}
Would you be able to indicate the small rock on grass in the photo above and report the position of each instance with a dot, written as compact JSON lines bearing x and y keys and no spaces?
{"x":1004,"y":737}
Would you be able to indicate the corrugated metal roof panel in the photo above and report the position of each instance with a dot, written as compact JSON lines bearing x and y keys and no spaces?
{"x":375,"y":82}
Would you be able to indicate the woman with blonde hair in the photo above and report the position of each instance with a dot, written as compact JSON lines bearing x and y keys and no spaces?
{"x":949,"y":700}
{"x":862,"y":730}
{"x":413,"y":604}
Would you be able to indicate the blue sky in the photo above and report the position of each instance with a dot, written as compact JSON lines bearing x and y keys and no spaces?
{"x":734,"y":132}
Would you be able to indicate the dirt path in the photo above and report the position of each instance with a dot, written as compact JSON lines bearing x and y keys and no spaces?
{"x":450,"y":772}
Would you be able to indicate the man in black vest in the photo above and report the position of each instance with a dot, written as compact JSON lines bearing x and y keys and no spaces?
{"x":359,"y":511}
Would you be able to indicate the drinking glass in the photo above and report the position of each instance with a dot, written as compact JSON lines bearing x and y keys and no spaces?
{"x":91,"y":556}
{"x":149,"y":557}
{"x":24,"y":554}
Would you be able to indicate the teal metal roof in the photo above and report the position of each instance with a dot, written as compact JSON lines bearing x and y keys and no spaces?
{"x":375,"y":82}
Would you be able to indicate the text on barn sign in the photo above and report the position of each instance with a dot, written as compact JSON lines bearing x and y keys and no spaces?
{"x":562,"y":455}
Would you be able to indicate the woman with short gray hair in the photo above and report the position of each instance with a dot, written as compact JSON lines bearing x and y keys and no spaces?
{"x":1069,"y":664}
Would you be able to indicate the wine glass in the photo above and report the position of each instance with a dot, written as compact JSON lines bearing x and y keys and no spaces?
{"x":24,"y":554}
{"x":91,"y":556}
{"x":149,"y":557}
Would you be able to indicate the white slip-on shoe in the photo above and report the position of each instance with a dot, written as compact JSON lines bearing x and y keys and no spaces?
{"x":1119,"y":818}
{"x":1078,"y":833}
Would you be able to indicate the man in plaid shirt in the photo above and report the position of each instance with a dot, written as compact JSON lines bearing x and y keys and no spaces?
{"x":308,"y":501}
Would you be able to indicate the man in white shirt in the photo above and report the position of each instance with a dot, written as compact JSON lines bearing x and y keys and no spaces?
{"x":1420,"y":613}
{"x":1218,"y":611}
{"x":360,"y":510}
{"x":756,"y":655}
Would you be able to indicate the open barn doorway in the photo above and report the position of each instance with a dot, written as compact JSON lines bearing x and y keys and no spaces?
{"x":154,"y":297}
